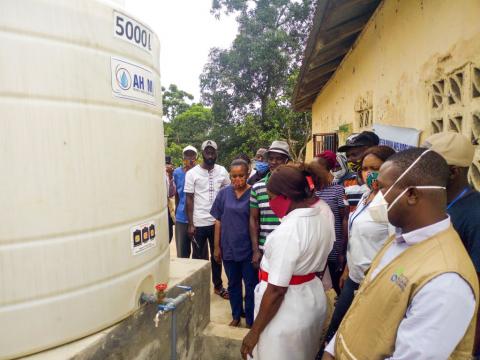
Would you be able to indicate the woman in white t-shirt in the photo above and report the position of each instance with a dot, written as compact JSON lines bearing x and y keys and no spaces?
{"x":290,"y":302}
{"x":365,"y":236}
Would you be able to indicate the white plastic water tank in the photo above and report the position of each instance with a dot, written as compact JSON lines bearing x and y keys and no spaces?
{"x":83,"y":226}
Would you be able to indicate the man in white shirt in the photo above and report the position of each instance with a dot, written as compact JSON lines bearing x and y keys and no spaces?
{"x":440,"y":303}
{"x":202,"y":184}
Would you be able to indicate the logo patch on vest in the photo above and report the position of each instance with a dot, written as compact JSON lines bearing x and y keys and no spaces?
{"x":399,"y":279}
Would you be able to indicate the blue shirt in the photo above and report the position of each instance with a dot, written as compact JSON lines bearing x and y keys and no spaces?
{"x":179,"y":178}
{"x":465,"y":215}
{"x":234,"y":215}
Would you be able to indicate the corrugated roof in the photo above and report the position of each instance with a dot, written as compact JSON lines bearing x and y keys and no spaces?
{"x":336,"y":26}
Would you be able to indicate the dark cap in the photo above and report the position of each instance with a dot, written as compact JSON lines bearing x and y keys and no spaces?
{"x":365,"y":138}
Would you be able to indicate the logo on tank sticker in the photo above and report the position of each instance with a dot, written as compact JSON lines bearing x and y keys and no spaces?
{"x":124,"y":80}
{"x":142,"y":237}
{"x":133,"y":81}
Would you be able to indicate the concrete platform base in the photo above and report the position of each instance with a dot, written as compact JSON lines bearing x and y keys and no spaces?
{"x":136,"y":337}
{"x":202,"y":327}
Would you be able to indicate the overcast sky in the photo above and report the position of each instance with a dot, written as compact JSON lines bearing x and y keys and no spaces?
{"x":187,"y":31}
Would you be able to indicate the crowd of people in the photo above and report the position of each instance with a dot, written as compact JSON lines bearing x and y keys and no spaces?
{"x":393,"y":236}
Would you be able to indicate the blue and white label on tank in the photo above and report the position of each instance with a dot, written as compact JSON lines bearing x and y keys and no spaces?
{"x":132,"y":31}
{"x":132,"y":81}
{"x":143,"y":237}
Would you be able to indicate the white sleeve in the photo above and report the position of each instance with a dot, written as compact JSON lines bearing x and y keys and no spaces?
{"x":189,"y":186}
{"x":226,"y":180}
{"x":391,"y":230}
{"x":330,"y":348}
{"x":436,"y":320}
{"x":283,"y":259}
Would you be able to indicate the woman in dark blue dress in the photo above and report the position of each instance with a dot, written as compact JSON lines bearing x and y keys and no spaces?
{"x":233,"y":246}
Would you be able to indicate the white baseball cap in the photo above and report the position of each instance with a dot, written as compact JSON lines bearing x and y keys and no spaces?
{"x":208,"y":143}
{"x":189,"y":148}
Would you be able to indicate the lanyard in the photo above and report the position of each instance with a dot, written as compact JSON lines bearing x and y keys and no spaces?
{"x":459,"y":196}
{"x":355,"y":215}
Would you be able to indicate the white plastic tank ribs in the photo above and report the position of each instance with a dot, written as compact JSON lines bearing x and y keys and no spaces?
{"x":83,"y":227}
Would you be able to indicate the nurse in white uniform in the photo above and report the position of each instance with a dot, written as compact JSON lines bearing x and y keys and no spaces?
{"x":290,"y":303}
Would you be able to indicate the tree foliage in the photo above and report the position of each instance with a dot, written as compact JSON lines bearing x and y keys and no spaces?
{"x":189,"y":127}
{"x":250,"y":84}
{"x":175,"y":101}
{"x":246,"y":88}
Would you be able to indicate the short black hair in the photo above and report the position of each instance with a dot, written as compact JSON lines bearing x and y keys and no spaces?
{"x":431,"y":169}
{"x":240,"y":162}
{"x":244,"y":157}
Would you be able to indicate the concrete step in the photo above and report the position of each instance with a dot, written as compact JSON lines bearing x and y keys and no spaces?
{"x":221,"y":342}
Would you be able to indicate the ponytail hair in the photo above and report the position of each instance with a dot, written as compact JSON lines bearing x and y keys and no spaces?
{"x":297,"y":182}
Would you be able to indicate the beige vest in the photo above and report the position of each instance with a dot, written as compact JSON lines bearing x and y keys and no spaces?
{"x":369,"y":329}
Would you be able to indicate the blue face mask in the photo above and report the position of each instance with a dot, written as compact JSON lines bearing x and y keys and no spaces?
{"x":261,"y":166}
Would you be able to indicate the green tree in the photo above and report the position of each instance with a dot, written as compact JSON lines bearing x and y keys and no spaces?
{"x":190,"y":127}
{"x":249,"y":84}
{"x":175,"y":101}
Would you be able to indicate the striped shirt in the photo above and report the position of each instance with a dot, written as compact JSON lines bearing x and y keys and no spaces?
{"x":334,"y":196}
{"x":259,"y":200}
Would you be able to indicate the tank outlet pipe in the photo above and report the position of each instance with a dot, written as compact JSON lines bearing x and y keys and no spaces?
{"x":147,"y":298}
{"x":170,"y":305}
{"x":157,"y":298}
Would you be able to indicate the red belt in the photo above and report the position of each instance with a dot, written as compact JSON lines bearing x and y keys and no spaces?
{"x":295,"y":280}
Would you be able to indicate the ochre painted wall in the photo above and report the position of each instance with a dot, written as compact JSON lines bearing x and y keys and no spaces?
{"x":406,"y":45}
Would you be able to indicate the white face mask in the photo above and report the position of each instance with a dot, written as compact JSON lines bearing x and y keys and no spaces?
{"x":342,"y":161}
{"x":339,"y":174}
{"x":379,"y":207}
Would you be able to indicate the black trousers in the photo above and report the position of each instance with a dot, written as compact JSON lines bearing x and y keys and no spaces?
{"x":334,"y":275}
{"x":203,"y":239}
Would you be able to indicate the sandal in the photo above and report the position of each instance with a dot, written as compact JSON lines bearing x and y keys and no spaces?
{"x":223,"y":293}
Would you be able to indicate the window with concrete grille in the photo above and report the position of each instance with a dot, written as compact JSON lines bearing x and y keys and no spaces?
{"x":437,"y":126}
{"x":475,"y":82}
{"x":455,"y":123}
{"x":365,"y":118}
{"x":455,"y":106}
{"x":455,"y":88}
{"x":438,"y":91}
{"x":364,"y":111}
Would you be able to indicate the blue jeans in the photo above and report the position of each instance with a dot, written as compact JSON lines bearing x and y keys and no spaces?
{"x":183,"y":242}
{"x":236,"y":272}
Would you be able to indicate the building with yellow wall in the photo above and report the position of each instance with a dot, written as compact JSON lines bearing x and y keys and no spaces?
{"x":405,"y":63}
